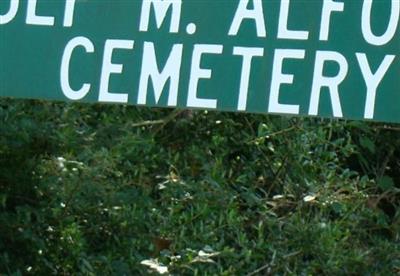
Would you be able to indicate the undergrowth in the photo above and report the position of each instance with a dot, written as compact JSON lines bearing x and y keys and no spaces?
{"x":118,"y":190}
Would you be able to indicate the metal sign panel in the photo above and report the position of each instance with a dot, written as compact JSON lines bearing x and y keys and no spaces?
{"x":326,"y":58}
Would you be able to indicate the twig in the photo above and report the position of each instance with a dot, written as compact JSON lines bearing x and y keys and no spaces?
{"x":168,"y":119}
{"x":250,"y":126}
{"x":388,"y":128}
{"x":381,"y":171}
{"x":161,"y":122}
{"x":259,"y":270}
{"x":148,"y":123}
{"x":278,"y":174}
{"x":289,"y":129}
{"x":292,"y":254}
{"x":269,"y":265}
{"x":71,"y":196}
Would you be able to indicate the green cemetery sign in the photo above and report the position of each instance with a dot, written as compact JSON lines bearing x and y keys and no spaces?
{"x":329,"y":58}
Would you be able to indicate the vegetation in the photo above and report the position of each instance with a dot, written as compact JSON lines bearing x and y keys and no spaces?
{"x":114,"y":190}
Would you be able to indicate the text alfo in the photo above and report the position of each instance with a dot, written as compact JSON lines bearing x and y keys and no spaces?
{"x":328,"y":57}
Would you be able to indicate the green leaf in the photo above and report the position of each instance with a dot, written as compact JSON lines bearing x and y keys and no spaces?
{"x":368,"y":144}
{"x":386,"y":183}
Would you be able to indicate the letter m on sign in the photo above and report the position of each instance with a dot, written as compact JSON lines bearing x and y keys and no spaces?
{"x":161,"y":8}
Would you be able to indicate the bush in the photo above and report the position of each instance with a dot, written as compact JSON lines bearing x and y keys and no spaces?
{"x":101,"y":189}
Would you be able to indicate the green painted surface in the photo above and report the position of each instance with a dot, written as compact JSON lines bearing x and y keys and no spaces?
{"x":32,"y":51}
